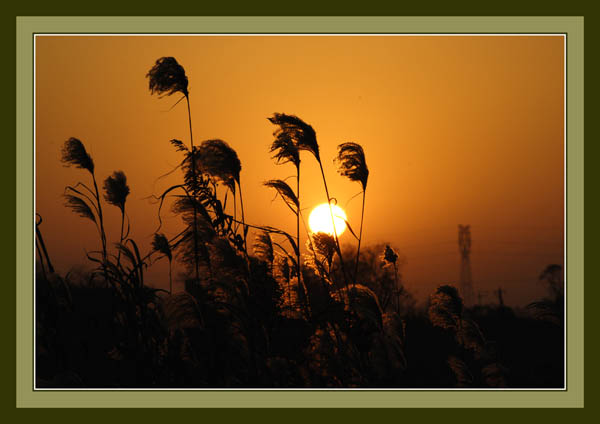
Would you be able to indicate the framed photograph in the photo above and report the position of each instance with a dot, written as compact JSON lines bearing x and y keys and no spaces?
{"x":300,"y":212}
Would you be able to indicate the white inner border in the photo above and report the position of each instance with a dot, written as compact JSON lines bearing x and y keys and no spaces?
{"x":564,"y":36}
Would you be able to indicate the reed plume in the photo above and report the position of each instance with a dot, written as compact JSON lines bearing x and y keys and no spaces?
{"x":286,"y":193}
{"x":445,"y":308}
{"x":352,"y":163}
{"x":263,"y":247}
{"x":79,"y":206}
{"x":167,"y":77}
{"x":160,"y":243}
{"x":282,"y":267}
{"x":364,"y":304}
{"x":218,"y":160}
{"x":179,"y":146}
{"x":285,"y":149}
{"x":295,"y":129}
{"x":321,"y":248}
{"x":74,"y":153}
{"x":116,"y":190}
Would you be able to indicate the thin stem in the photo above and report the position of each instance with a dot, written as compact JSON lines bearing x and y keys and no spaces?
{"x":362,"y":215}
{"x":170,"y":280}
{"x":235,"y":213}
{"x":289,"y":290}
{"x":268,"y":229}
{"x":102,"y":232}
{"x":193,"y":157}
{"x":298,"y":229}
{"x":337,"y":242}
{"x":121,"y":236}
{"x":243,"y":218}
{"x":397,"y":288}
{"x":100,"y":218}
{"x":37,"y":246}
{"x":39,"y":236}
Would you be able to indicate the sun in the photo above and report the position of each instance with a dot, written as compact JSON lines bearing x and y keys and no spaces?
{"x":320,"y":219}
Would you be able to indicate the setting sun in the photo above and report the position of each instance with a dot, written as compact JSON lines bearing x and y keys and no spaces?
{"x":320,"y":219}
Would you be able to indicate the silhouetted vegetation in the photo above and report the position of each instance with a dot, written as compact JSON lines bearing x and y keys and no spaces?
{"x":270,"y":317}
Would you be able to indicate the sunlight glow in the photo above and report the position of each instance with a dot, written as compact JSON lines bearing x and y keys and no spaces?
{"x":320,"y":219}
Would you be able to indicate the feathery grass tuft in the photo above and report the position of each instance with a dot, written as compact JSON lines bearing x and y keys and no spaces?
{"x":116,"y":189}
{"x":74,"y":153}
{"x":352,"y":163}
{"x":167,"y":77}
{"x":179,"y":146}
{"x":293,"y":128}
{"x":286,"y":193}
{"x":445,"y":308}
{"x":363,"y":302}
{"x":321,"y":249}
{"x":282,"y":266}
{"x":217,"y":159}
{"x":161,"y":244}
{"x":192,"y":212}
{"x":80,"y":207}
{"x":324,"y":245}
{"x":263,"y":247}
{"x":285,"y":149}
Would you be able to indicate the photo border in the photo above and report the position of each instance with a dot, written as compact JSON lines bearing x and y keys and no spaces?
{"x":572,"y":26}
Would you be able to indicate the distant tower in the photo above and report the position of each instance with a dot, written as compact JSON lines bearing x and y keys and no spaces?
{"x":464,"y":247}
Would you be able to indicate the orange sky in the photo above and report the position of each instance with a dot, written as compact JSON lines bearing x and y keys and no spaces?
{"x":456,"y":130}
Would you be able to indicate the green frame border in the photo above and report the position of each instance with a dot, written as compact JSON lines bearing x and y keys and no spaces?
{"x":572,"y":397}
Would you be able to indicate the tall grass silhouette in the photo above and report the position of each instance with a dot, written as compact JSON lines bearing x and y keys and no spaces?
{"x":301,"y":135}
{"x":352,"y":164}
{"x":165,"y":78}
{"x":286,"y":150}
{"x":220,"y":161}
{"x":116,"y":191}
{"x":85,"y":202}
{"x":268,"y":318}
